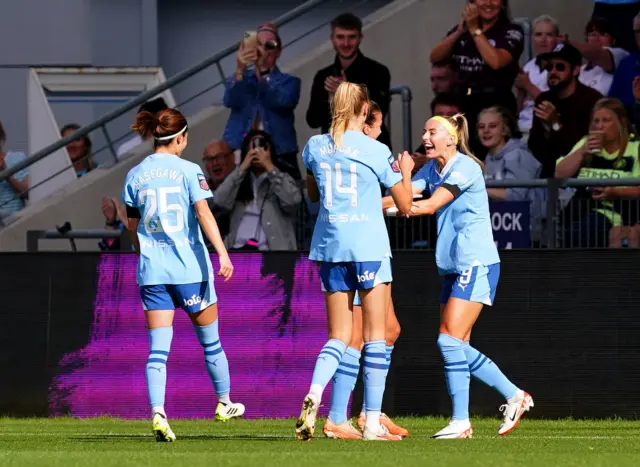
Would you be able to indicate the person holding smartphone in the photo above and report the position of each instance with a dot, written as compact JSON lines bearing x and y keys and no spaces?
{"x":261,"y":197}
{"x":261,"y":97}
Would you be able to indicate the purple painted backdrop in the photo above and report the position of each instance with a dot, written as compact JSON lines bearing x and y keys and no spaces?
{"x":271,"y":362}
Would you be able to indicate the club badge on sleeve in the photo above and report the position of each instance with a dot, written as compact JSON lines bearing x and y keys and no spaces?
{"x":395,"y":165}
{"x":203,"y":182}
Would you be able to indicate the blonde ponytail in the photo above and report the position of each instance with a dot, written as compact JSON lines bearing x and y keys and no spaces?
{"x":462,"y":129}
{"x":346,"y":105}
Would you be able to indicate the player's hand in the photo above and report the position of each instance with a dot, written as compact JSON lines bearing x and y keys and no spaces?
{"x":417,"y":195}
{"x":406,"y":163}
{"x":109,"y":210}
{"x":414,"y":210}
{"x":226,"y":268}
{"x":248,"y":160}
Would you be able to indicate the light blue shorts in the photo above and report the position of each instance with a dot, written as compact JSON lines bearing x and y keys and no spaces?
{"x":477,"y":284}
{"x":341,"y":277}
{"x":192,"y":298}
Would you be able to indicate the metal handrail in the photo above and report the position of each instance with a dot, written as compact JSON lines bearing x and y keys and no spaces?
{"x":405,"y":94}
{"x":33,"y":236}
{"x":551,"y":185}
{"x":145,"y":96}
{"x":563,"y":182}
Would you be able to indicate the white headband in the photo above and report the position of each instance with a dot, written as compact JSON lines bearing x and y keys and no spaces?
{"x":171,"y":136}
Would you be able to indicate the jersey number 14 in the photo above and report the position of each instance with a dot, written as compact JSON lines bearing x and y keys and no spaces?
{"x":352,"y":189}
{"x":156,"y":219}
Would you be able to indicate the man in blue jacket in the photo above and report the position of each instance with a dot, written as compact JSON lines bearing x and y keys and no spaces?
{"x":261,"y":97}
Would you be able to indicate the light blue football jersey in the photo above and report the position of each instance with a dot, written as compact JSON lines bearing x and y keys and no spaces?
{"x":350,"y":224}
{"x":465,"y":237}
{"x":164,"y":188}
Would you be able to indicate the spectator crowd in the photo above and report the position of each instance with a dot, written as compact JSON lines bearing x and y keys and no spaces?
{"x":570,"y":112}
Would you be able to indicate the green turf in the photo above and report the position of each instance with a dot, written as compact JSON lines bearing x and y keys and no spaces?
{"x":110,"y":442}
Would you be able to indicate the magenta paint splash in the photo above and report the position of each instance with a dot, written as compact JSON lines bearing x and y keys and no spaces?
{"x":272,"y":326}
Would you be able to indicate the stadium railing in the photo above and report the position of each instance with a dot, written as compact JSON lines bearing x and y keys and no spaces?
{"x":508,"y":222}
{"x":405,"y":94}
{"x":212,"y":61}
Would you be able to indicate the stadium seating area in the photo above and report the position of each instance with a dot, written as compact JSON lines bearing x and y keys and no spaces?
{"x":542,"y":104}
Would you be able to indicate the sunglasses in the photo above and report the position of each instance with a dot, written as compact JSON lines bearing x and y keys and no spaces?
{"x":557,"y":66}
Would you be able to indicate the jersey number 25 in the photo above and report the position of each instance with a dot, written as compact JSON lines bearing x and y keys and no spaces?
{"x":155,"y":219}
{"x":352,"y":189}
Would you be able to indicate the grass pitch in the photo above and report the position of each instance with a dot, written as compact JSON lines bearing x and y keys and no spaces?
{"x":111,"y":442}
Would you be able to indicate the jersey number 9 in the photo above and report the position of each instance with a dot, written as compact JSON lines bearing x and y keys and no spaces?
{"x":156,"y":220}
{"x":352,"y":189}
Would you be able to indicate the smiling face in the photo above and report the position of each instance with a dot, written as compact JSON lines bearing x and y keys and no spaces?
{"x":491,"y":130}
{"x":346,"y":42}
{"x":436,"y":139}
{"x":489,"y":9}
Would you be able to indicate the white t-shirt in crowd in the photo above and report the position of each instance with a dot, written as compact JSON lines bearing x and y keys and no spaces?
{"x":599,"y":79}
{"x":538,"y":78}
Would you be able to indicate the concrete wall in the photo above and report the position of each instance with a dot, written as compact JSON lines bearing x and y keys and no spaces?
{"x":193,"y":31}
{"x":399,"y":35}
{"x":14,"y":113}
{"x":69,"y":33}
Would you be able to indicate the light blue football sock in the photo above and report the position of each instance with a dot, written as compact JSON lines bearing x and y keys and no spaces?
{"x":388,"y":350}
{"x":375,"y":374}
{"x":488,"y":372}
{"x":343,"y":383}
{"x":156,"y":368}
{"x":215,"y":360}
{"x":326,"y":365}
{"x":456,"y":371}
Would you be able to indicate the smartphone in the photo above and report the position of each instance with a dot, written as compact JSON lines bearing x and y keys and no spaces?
{"x":250,"y":39}
{"x":257,"y":142}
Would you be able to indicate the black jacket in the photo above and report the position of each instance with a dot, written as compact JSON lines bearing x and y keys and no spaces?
{"x":363,"y":70}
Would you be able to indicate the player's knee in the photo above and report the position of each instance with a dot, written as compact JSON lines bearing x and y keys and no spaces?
{"x":447,"y":342}
{"x":393,"y":333}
